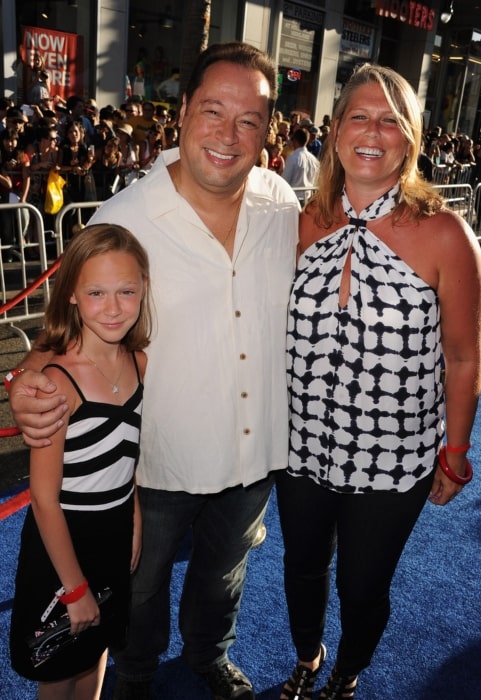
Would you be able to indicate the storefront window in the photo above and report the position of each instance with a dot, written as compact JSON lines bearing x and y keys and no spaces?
{"x":357,"y":46}
{"x":299,"y":52}
{"x":469,"y":105}
{"x":154,"y":49}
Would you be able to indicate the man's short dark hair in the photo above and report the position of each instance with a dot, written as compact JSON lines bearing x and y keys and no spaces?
{"x":300,"y":136}
{"x":241,"y":54}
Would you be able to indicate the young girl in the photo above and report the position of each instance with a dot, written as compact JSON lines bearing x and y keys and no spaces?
{"x":82,"y":532}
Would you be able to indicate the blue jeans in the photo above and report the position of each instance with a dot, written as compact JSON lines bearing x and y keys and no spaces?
{"x":223,"y":528}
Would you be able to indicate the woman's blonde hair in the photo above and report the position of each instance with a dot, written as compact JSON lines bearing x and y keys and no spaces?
{"x":63,"y":324}
{"x":416,"y":194}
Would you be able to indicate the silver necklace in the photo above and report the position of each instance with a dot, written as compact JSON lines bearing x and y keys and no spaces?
{"x":114,"y":385}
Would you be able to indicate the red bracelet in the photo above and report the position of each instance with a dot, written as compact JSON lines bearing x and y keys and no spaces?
{"x":461,"y":448}
{"x":10,"y":377}
{"x":443,"y":463}
{"x":74,"y":595}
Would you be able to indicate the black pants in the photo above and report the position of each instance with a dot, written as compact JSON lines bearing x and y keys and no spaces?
{"x":370,"y":531}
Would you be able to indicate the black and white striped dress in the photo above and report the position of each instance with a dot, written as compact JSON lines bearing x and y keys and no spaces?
{"x":101,"y":451}
{"x":366,"y":398}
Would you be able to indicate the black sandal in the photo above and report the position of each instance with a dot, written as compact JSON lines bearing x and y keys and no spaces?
{"x":301,"y":683}
{"x":339,"y":687}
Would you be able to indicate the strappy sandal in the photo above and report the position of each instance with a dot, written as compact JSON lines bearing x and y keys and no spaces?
{"x":339,"y":687}
{"x":301,"y":683}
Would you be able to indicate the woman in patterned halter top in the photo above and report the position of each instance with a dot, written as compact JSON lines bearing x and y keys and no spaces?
{"x":386,"y":295}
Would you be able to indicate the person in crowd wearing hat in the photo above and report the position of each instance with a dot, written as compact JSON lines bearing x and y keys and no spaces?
{"x":103,"y":130}
{"x":15,"y":120}
{"x":305,"y":123}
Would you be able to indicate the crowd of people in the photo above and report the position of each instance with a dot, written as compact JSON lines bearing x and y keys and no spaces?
{"x":453,"y":152}
{"x":97,"y":151}
{"x":372,"y":418}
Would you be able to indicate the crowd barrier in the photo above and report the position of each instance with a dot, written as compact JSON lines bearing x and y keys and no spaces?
{"x":24,"y":262}
{"x":75,"y":213}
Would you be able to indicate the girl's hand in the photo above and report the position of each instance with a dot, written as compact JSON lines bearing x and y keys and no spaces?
{"x":84,"y":613}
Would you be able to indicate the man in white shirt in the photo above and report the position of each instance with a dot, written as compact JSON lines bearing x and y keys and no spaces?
{"x":221,"y":237}
{"x":302,"y":167}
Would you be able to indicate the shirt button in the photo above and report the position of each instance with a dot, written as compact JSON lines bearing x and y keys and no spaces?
{"x":242,"y":356}
{"x":234,"y":273}
{"x":244,"y":395}
{"x":247,"y":431}
{"x":237,"y":314}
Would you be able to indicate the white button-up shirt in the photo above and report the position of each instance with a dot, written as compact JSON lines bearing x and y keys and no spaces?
{"x":215,"y":403}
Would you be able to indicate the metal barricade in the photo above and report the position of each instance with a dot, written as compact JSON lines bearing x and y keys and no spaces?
{"x":477,"y":211}
{"x":24,"y":243}
{"x":304,"y":193}
{"x":75,"y":209}
{"x":441,"y":174}
{"x":22,"y":260}
{"x":459,"y":198}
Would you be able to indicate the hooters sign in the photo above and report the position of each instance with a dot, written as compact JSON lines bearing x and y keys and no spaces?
{"x":62,"y":53}
{"x":417,"y":14}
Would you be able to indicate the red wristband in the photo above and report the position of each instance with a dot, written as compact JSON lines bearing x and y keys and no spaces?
{"x":443,"y":463}
{"x":461,"y":448}
{"x":10,"y":376}
{"x":74,"y":595}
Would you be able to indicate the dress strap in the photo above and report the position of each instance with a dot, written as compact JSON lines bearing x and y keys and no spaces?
{"x":67,"y":374}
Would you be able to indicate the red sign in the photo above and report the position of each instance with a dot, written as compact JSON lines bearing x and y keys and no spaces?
{"x":414,"y":13}
{"x":294,"y":74}
{"x":62,"y":53}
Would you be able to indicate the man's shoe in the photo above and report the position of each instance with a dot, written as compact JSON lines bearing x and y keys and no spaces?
{"x":260,"y":535}
{"x":132,"y":690}
{"x":227,"y":682}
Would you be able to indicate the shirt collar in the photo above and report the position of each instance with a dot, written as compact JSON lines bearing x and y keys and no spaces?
{"x":162,"y":197}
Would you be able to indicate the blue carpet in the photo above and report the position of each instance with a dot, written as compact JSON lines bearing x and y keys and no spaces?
{"x":430,"y":651}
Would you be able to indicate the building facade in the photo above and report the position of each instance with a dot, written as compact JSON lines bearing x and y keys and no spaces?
{"x":106,"y":48}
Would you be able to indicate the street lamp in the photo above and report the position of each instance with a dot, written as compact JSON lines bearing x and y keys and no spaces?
{"x":448,"y":12}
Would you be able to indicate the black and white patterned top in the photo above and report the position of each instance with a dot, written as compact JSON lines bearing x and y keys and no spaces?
{"x":366,"y":398}
{"x":101,"y":451}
